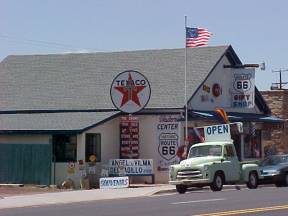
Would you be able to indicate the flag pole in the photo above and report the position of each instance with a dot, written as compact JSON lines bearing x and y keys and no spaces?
{"x":185,"y":86}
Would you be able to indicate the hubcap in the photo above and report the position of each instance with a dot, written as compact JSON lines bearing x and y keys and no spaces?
{"x":252,"y":179}
{"x":218,"y":181}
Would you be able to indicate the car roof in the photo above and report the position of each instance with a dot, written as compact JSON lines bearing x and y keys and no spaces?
{"x":279,"y":155}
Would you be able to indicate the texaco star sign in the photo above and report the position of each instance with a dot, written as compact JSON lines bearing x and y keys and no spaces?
{"x":130,"y":91}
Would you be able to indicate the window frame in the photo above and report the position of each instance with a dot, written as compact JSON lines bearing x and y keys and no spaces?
{"x":229,"y":152}
{"x":61,"y":146}
{"x":98,"y":150}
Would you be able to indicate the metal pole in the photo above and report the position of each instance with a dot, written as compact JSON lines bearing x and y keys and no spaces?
{"x":185,"y":86}
{"x":281,"y":83}
{"x":280,"y":72}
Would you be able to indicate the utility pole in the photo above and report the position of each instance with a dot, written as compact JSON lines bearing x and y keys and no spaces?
{"x":280,"y":83}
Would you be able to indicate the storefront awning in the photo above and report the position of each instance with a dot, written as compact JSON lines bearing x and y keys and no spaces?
{"x":237,"y":117}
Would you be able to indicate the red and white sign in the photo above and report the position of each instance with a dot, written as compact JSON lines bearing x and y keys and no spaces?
{"x":130,"y":91}
{"x":129,"y":137}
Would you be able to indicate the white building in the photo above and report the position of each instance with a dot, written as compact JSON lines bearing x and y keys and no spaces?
{"x":56,"y":109}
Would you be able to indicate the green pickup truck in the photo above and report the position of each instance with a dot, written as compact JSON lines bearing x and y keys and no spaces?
{"x":213,"y":164}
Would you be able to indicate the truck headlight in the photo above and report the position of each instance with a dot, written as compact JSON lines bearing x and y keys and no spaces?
{"x":206,"y":167}
{"x":171,"y":171}
{"x":171,"y":168}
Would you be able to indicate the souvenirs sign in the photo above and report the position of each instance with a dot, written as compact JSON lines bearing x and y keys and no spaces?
{"x":243,"y":88}
{"x":130,"y":91}
{"x":114,"y":182}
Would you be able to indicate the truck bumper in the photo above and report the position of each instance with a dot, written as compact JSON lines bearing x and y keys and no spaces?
{"x":190,"y":182}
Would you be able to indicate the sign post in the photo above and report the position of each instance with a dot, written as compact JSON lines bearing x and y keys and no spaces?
{"x":130,"y":92}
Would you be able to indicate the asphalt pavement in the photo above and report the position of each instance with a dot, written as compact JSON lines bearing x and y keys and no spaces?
{"x":74,"y":196}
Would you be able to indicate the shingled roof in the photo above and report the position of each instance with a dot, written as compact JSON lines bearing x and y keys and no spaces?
{"x":71,"y":92}
{"x":65,"y":122}
{"x":82,"y":81}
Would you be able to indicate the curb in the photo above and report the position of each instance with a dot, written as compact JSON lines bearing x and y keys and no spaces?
{"x":236,"y":187}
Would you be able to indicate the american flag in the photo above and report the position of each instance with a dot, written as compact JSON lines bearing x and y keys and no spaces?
{"x":197,"y":37}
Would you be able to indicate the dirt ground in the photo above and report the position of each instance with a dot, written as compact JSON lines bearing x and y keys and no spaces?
{"x":6,"y":191}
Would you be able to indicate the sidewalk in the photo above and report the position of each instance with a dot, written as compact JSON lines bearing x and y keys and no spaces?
{"x":82,"y":196}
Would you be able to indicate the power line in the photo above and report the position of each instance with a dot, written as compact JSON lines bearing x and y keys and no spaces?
{"x":37,"y":42}
{"x":48,"y":44}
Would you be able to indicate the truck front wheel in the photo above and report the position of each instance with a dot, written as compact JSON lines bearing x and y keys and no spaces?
{"x":181,"y":189}
{"x":217,"y":183}
{"x":252,"y":181}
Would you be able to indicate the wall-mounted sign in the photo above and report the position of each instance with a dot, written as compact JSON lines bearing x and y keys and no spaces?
{"x":168,"y":131}
{"x":243,"y":88}
{"x":130,"y":91}
{"x":129,"y":137}
{"x":132,"y":167}
{"x":216,"y":90}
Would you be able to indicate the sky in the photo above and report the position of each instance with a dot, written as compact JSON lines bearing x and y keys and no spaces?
{"x":256,"y":29}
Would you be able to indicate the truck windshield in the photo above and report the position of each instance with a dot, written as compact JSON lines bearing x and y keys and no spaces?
{"x":207,"y":150}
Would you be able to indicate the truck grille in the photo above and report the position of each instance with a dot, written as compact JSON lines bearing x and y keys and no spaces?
{"x":189,"y":173}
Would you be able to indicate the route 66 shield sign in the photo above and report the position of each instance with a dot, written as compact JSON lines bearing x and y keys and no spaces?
{"x":168,"y":144}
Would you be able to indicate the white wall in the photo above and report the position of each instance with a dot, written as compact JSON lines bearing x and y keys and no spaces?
{"x":110,"y":146}
{"x":222,"y":76}
{"x":109,"y":149}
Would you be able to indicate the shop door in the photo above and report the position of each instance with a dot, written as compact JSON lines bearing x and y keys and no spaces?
{"x":25,"y":164}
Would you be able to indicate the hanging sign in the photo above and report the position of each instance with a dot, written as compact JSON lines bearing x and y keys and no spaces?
{"x":219,"y":132}
{"x":243,"y":88}
{"x":130,"y":91}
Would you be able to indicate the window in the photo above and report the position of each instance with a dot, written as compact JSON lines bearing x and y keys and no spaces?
{"x":229,"y":151}
{"x":205,"y":150}
{"x":252,"y":145}
{"x":64,"y":148}
{"x":93,"y":146}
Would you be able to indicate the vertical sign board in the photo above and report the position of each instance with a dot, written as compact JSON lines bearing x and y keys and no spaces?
{"x":243,"y":88}
{"x":130,"y":92}
{"x":168,"y":129}
{"x":129,"y":137}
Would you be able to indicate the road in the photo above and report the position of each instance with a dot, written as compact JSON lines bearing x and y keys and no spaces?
{"x":262,"y":201}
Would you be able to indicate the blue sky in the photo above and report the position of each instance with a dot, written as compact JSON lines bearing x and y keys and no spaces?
{"x":256,"y":29}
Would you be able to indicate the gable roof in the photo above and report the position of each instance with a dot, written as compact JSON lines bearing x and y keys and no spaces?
{"x":82,"y":81}
{"x":70,"y":93}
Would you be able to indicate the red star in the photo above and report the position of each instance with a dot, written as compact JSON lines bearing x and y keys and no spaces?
{"x":130,"y":91}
